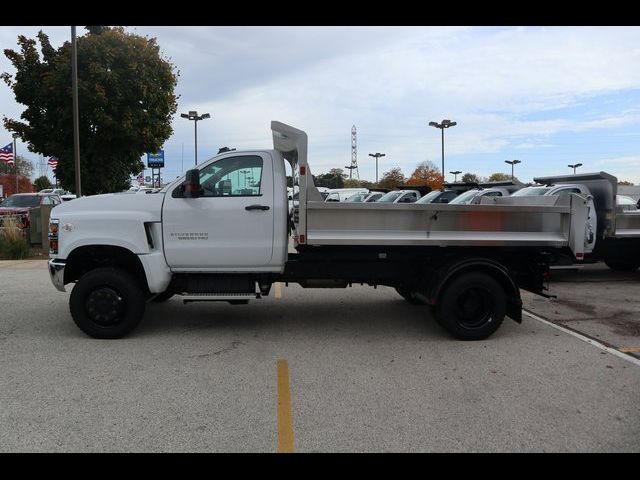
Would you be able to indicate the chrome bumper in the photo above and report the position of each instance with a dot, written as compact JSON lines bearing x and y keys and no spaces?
{"x":56,"y":272}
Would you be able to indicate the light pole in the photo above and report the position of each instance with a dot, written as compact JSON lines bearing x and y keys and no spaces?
{"x":512,"y":163}
{"x":377,"y":156}
{"x":574,"y":166}
{"x":193,"y":115}
{"x":455,"y":175}
{"x":442,"y":125}
{"x":15,"y":158}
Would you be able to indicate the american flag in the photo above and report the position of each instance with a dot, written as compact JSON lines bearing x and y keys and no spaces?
{"x":52,"y":162}
{"x":6,"y":154}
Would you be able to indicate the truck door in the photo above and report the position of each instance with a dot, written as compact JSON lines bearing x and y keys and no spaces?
{"x":230,"y":227}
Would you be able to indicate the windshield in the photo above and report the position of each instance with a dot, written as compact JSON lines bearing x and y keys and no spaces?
{"x":531,"y":191}
{"x":389,"y":197}
{"x":465,"y":198}
{"x":430,"y":197}
{"x":22,"y":201}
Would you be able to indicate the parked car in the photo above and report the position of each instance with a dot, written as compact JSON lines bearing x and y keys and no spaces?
{"x":473,"y":196}
{"x":341,"y":194}
{"x":626,"y":204}
{"x":55,"y":191}
{"x":20,"y":205}
{"x":400,"y":196}
{"x":440,"y":196}
{"x":365,"y":197}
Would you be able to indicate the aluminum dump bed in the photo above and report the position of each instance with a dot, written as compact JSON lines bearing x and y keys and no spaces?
{"x":552,"y":222}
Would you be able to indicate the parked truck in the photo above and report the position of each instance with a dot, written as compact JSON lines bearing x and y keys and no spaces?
{"x":617,"y":235}
{"x":220,"y":233}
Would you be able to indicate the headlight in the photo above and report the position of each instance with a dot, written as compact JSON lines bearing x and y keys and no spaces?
{"x":53,"y":236}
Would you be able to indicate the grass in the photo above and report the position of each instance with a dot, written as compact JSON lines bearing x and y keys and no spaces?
{"x":13,"y":244}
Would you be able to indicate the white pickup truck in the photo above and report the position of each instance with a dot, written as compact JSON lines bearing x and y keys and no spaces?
{"x":220,"y":233}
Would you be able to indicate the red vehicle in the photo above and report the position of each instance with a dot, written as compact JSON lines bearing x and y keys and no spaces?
{"x":20,"y":205}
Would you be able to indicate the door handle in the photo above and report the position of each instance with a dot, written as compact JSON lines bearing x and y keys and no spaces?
{"x":257,"y":207}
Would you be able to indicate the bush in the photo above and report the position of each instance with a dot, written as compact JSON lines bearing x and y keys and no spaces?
{"x":13,"y":244}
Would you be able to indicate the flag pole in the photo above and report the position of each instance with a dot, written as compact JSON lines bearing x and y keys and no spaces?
{"x":15,"y":160}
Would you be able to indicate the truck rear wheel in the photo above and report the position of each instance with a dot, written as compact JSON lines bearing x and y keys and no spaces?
{"x":408,"y":296}
{"x":107,"y":303}
{"x":472,"y":306}
{"x":628,"y":265}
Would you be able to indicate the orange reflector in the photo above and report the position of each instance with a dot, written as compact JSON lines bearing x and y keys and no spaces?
{"x":579,"y":255}
{"x":301,"y":239}
{"x":303,"y":170}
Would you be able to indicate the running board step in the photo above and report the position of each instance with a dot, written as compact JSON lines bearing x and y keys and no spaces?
{"x":221,"y":297}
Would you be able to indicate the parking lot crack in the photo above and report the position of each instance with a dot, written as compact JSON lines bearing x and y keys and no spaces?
{"x":232,"y":346}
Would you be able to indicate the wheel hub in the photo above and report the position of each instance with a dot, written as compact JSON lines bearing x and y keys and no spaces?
{"x":105,"y":306}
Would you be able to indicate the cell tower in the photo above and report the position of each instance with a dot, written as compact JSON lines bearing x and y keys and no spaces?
{"x":354,"y":154}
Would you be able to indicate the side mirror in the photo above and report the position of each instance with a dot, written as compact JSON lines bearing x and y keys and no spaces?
{"x":191,"y":184}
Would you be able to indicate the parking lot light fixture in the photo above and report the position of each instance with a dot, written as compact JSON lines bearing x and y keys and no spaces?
{"x":574,"y":166}
{"x":377,"y":156}
{"x":455,"y":175}
{"x":512,"y":163}
{"x":193,"y":115}
{"x":442,"y":125}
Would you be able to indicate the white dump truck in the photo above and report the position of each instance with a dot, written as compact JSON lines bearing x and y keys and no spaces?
{"x":220,"y":233}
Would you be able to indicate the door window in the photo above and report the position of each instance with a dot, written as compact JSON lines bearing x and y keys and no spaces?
{"x":239,"y":176}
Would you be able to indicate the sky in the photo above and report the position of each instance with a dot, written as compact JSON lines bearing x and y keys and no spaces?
{"x":547,"y":96}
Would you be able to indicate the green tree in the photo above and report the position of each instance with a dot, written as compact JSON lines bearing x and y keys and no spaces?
{"x":470,"y":178}
{"x":25,"y":167}
{"x":329,"y":180}
{"x":392,"y":179}
{"x":41,"y":183}
{"x":126,"y":102}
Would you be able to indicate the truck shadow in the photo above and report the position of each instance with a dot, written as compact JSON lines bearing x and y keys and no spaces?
{"x":339,"y":315}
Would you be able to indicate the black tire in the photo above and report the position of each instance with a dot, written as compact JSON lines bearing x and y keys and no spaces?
{"x":472,"y":306}
{"x":163,"y":297}
{"x":107,"y":303}
{"x":629,"y":265}
{"x":408,"y":296}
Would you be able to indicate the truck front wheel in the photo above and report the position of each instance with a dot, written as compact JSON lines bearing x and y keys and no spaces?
{"x":107,"y":303}
{"x":472,"y":306}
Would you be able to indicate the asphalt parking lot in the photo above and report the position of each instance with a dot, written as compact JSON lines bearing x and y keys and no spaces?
{"x":366,"y":372}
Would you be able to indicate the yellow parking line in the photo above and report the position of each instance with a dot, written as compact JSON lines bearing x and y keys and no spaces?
{"x":629,"y":349}
{"x":278,"y":289}
{"x":285,"y":420}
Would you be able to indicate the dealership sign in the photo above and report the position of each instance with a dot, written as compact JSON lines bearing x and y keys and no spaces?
{"x":155,"y":160}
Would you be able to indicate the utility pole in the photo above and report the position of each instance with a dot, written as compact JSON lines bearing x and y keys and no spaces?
{"x":76,"y":121}
{"x":377,"y":156}
{"x":354,"y":154}
{"x":442,"y":125}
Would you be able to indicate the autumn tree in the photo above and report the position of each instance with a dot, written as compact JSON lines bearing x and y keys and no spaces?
{"x":126,"y":103}
{"x":501,"y":177}
{"x":426,"y":173}
{"x":391,"y":179}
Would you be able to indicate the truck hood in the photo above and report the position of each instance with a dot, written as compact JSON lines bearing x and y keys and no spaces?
{"x":147,"y":206}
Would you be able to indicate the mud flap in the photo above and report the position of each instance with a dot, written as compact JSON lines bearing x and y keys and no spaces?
{"x":514,"y":308}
